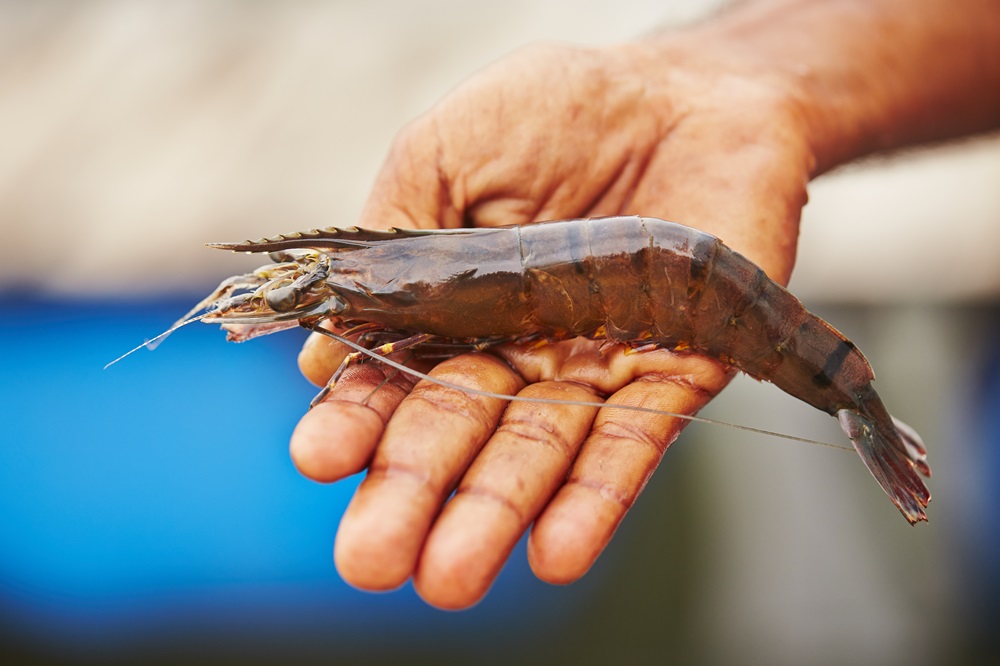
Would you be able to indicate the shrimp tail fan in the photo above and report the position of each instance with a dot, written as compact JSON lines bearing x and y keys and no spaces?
{"x":893,"y":452}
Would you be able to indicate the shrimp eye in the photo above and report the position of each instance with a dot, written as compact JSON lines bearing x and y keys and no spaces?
{"x":282,"y":299}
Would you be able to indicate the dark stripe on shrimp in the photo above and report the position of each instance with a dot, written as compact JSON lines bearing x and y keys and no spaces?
{"x":702,"y":261}
{"x":833,"y":364}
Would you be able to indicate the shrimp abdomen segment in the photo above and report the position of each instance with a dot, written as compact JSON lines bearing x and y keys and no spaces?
{"x":746,"y":320}
{"x":754,"y":324}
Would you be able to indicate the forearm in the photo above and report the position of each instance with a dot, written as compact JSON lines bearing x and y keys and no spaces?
{"x":867,"y":75}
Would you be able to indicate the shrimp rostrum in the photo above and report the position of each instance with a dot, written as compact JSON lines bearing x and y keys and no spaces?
{"x":642,"y":282}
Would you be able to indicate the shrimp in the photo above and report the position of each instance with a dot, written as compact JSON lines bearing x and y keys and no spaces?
{"x":642,"y":282}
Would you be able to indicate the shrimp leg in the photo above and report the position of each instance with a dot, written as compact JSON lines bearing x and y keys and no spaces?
{"x":357,"y":357}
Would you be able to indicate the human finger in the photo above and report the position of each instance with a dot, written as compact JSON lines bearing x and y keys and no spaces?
{"x":749,"y":193}
{"x":614,"y":465}
{"x":427,"y":445}
{"x":409,"y":190}
{"x":509,"y":483}
{"x":336,"y":438}
{"x":321,"y":356}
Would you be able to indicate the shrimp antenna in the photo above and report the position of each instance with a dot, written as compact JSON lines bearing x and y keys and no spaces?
{"x":153,"y":342}
{"x":555,"y":401}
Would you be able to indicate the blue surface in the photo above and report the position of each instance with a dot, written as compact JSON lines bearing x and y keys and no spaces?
{"x":157,"y":497}
{"x":984,"y":541}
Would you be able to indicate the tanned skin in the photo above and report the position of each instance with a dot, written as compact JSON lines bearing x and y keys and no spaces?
{"x":719,"y":126}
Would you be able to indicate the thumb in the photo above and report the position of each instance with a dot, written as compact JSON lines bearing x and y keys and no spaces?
{"x":411,"y":189}
{"x":410,"y":193}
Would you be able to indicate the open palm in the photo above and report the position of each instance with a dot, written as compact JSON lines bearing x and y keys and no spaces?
{"x":548,"y":133}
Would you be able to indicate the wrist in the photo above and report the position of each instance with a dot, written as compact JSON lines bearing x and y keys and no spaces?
{"x":744,"y":69}
{"x":861,"y":76}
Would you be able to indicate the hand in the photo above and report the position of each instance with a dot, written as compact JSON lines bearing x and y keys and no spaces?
{"x":548,"y":133}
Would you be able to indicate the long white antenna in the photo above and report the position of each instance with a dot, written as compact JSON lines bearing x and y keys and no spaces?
{"x":151,"y":343}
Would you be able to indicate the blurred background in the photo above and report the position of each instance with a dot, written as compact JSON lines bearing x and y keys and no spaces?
{"x":149,"y":512}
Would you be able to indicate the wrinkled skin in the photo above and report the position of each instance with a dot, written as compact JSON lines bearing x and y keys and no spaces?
{"x":717,"y":126}
{"x":548,"y":133}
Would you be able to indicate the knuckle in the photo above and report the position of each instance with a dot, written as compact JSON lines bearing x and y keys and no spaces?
{"x":686,"y":382}
{"x":421,"y":480}
{"x":537,"y":432}
{"x":628,"y":434}
{"x":453,"y":402}
{"x":606,"y":490}
{"x":497,"y":498}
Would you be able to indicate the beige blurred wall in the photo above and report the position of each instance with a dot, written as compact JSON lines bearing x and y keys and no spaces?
{"x":920,"y":227}
{"x":132,"y":131}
